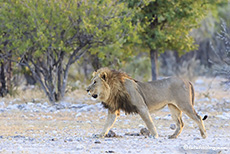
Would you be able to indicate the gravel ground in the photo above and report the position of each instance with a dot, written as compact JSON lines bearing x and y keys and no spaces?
{"x":67,"y":127}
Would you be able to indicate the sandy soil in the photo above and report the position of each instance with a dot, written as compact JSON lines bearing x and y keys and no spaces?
{"x":69,"y":126}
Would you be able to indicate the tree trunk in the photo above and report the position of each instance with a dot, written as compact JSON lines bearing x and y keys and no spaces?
{"x":153,"y":58}
{"x":60,"y":91}
{"x":9,"y":75}
{"x":29,"y":78}
{"x":95,"y":62}
{"x":64,"y":81}
{"x":3,"y":90}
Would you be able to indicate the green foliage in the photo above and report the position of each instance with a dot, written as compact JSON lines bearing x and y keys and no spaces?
{"x":48,"y":36}
{"x":166,"y":24}
{"x":139,"y":68}
{"x":41,"y":25}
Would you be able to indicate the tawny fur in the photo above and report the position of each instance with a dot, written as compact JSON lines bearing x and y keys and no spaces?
{"x":118,"y":91}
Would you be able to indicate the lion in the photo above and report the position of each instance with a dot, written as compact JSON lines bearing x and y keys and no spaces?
{"x":118,"y":91}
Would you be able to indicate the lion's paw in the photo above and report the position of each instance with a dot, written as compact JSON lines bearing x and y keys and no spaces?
{"x":153,"y":136}
{"x":204,"y":136}
{"x":172,"y":137}
{"x":98,"y":135}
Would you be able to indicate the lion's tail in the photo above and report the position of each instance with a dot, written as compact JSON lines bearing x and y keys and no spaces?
{"x":193,"y":93}
{"x":193,"y":97}
{"x":205,"y":117}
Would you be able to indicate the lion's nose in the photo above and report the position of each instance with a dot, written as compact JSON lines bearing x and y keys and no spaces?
{"x":94,"y":95}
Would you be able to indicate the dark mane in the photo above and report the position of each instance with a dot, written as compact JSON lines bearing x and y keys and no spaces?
{"x":119,"y":98}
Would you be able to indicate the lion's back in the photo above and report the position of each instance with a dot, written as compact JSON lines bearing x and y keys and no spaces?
{"x":164,"y":90}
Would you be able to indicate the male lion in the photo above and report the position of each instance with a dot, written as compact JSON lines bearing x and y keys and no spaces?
{"x":118,"y":91}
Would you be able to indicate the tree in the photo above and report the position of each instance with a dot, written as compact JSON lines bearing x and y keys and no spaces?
{"x":5,"y":72}
{"x":166,"y":24}
{"x":221,"y":48}
{"x":3,"y":89}
{"x":49,"y":36}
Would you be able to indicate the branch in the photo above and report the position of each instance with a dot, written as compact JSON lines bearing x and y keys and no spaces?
{"x":37,"y":77}
{"x":78,"y":53}
{"x":73,"y":58}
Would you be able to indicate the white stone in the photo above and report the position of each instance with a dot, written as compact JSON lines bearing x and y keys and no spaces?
{"x":77,"y":115}
{"x":157,"y":118}
{"x":141,"y":126}
{"x":199,"y":81}
{"x":168,"y":117}
{"x":222,"y":117}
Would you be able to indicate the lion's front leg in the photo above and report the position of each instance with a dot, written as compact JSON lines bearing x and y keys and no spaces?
{"x":111,"y":118}
{"x":145,"y":115}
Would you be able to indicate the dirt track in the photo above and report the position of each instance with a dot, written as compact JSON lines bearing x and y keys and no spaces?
{"x":69,"y":127}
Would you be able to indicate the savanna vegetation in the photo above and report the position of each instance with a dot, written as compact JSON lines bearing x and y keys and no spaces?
{"x":52,"y":44}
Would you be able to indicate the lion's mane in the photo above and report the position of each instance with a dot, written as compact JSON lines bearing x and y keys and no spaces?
{"x":119,"y":99}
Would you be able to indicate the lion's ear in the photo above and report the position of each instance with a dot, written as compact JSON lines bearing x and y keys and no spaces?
{"x":94,"y":73}
{"x":103,"y":75}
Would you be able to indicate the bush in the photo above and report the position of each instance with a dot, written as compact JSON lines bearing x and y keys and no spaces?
{"x":221,"y":48}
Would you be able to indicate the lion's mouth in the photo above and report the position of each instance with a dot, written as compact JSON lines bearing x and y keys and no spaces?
{"x":94,"y":95}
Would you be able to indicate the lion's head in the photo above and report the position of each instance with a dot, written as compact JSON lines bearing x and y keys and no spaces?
{"x":108,"y":86}
{"x":99,"y":87}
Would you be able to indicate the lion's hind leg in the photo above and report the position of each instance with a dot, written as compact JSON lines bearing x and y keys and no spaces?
{"x":190,"y":111}
{"x":177,"y":117}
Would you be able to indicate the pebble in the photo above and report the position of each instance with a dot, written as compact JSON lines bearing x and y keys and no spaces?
{"x":77,"y":115}
{"x":24,"y":116}
{"x":204,"y":100}
{"x":145,"y":132}
{"x":2,"y":104}
{"x":80,"y":147}
{"x":47,"y":117}
{"x":168,"y":117}
{"x":222,"y":117}
{"x":20,"y":147}
{"x":46,"y":107}
{"x":12,"y":107}
{"x":214,"y":100}
{"x":68,"y":140}
{"x":77,"y":106}
{"x":132,"y":134}
{"x":111,"y":134}
{"x":199,"y":81}
{"x":157,"y":118}
{"x":86,"y":108}
{"x":110,"y":151}
{"x":102,"y":117}
{"x":173,"y":126}
{"x":165,"y":109}
{"x":141,"y":126}
{"x":97,"y":142}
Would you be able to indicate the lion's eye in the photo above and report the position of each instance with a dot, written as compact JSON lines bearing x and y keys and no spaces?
{"x":94,"y":82}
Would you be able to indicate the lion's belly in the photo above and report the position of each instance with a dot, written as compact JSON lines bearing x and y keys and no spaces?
{"x":156,"y":106}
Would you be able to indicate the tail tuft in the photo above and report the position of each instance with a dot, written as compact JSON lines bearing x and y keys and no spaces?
{"x":193,"y":93}
{"x":205,"y":117}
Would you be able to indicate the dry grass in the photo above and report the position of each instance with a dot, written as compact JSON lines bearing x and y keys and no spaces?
{"x":36,"y":95}
{"x":26,"y":94}
{"x":213,"y":88}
